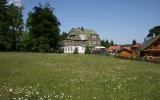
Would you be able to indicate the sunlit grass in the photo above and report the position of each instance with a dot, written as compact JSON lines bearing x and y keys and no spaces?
{"x":38,"y":76}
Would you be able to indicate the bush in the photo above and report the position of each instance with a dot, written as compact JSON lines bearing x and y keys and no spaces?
{"x":75,"y":51}
{"x":107,"y":54}
{"x":87,"y":50}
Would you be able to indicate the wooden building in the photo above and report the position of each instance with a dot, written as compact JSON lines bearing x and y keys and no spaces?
{"x":151,"y":48}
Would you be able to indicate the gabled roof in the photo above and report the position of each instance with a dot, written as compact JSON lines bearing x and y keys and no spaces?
{"x":114,"y":47}
{"x":85,"y":34}
{"x":136,"y":45}
{"x":125,"y":50}
{"x":148,"y":43}
{"x":128,"y":48}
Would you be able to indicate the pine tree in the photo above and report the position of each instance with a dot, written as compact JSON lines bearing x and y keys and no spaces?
{"x":107,"y":44}
{"x":111,"y":43}
{"x":134,"y":42}
{"x":103,"y":43}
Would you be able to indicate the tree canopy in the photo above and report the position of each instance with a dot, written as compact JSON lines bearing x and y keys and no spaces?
{"x":155,"y":30}
{"x":134,"y":42}
{"x":63,"y":36}
{"x":43,"y":28}
{"x":107,"y":44}
{"x":11,"y":24}
{"x":111,"y":43}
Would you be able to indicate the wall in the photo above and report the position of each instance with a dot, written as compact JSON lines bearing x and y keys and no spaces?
{"x":124,"y":53}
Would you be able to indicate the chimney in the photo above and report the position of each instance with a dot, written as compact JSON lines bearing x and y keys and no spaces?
{"x":82,"y":29}
{"x":153,"y":35}
{"x":144,"y":39}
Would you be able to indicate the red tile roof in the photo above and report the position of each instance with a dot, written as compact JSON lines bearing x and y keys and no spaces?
{"x":114,"y":47}
{"x":128,"y":48}
{"x":136,"y":45}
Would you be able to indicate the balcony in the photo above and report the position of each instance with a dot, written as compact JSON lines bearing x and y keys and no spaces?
{"x":153,"y":48}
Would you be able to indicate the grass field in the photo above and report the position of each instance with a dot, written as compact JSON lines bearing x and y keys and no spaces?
{"x":44,"y":76}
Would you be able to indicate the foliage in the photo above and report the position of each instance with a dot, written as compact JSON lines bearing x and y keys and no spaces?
{"x":25,"y":44}
{"x":103,"y":43}
{"x":155,"y":30}
{"x":134,"y":42}
{"x":111,"y":43}
{"x":107,"y":54}
{"x":135,"y":55}
{"x":11,"y":24}
{"x":87,"y":50}
{"x":75,"y":50}
{"x":63,"y":36}
{"x":43,"y":28}
{"x":33,"y":76}
{"x":107,"y":44}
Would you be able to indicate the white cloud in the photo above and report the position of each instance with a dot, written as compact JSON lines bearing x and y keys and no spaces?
{"x":15,"y":2}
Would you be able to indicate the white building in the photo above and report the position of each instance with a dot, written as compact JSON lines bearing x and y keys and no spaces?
{"x":79,"y":38}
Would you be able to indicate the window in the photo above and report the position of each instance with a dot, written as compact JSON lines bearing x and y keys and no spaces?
{"x":93,"y":36}
{"x":98,"y":42}
{"x":93,"y":42}
{"x":71,"y":37}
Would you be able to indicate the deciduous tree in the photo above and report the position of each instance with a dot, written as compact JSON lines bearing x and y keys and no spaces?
{"x":43,"y":28}
{"x":155,"y":30}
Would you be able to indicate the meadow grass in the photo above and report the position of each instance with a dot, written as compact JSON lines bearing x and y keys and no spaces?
{"x":49,"y":76}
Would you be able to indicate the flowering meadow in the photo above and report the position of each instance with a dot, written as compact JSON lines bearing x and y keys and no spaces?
{"x":49,"y":76}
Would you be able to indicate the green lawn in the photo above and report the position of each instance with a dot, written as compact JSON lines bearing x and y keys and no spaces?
{"x":48,"y":76}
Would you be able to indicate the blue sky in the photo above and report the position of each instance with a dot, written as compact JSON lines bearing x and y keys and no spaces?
{"x":117,"y":20}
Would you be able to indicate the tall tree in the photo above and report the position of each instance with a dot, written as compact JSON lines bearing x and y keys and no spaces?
{"x":111,"y":43}
{"x":107,"y":44}
{"x":4,"y":26}
{"x":10,"y":23}
{"x":155,"y":30}
{"x":103,"y":43}
{"x":43,"y":28}
{"x":134,"y":42}
{"x":16,"y":24}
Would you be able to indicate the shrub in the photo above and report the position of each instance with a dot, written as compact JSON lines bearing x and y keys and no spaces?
{"x":107,"y":54}
{"x":75,"y":51}
{"x":87,"y":50}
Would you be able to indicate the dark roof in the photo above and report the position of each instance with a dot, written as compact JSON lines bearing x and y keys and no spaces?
{"x":85,"y":34}
{"x":147,"y":43}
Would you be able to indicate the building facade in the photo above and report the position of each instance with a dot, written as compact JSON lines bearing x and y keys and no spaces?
{"x":80,"y":38}
{"x":151,"y":48}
